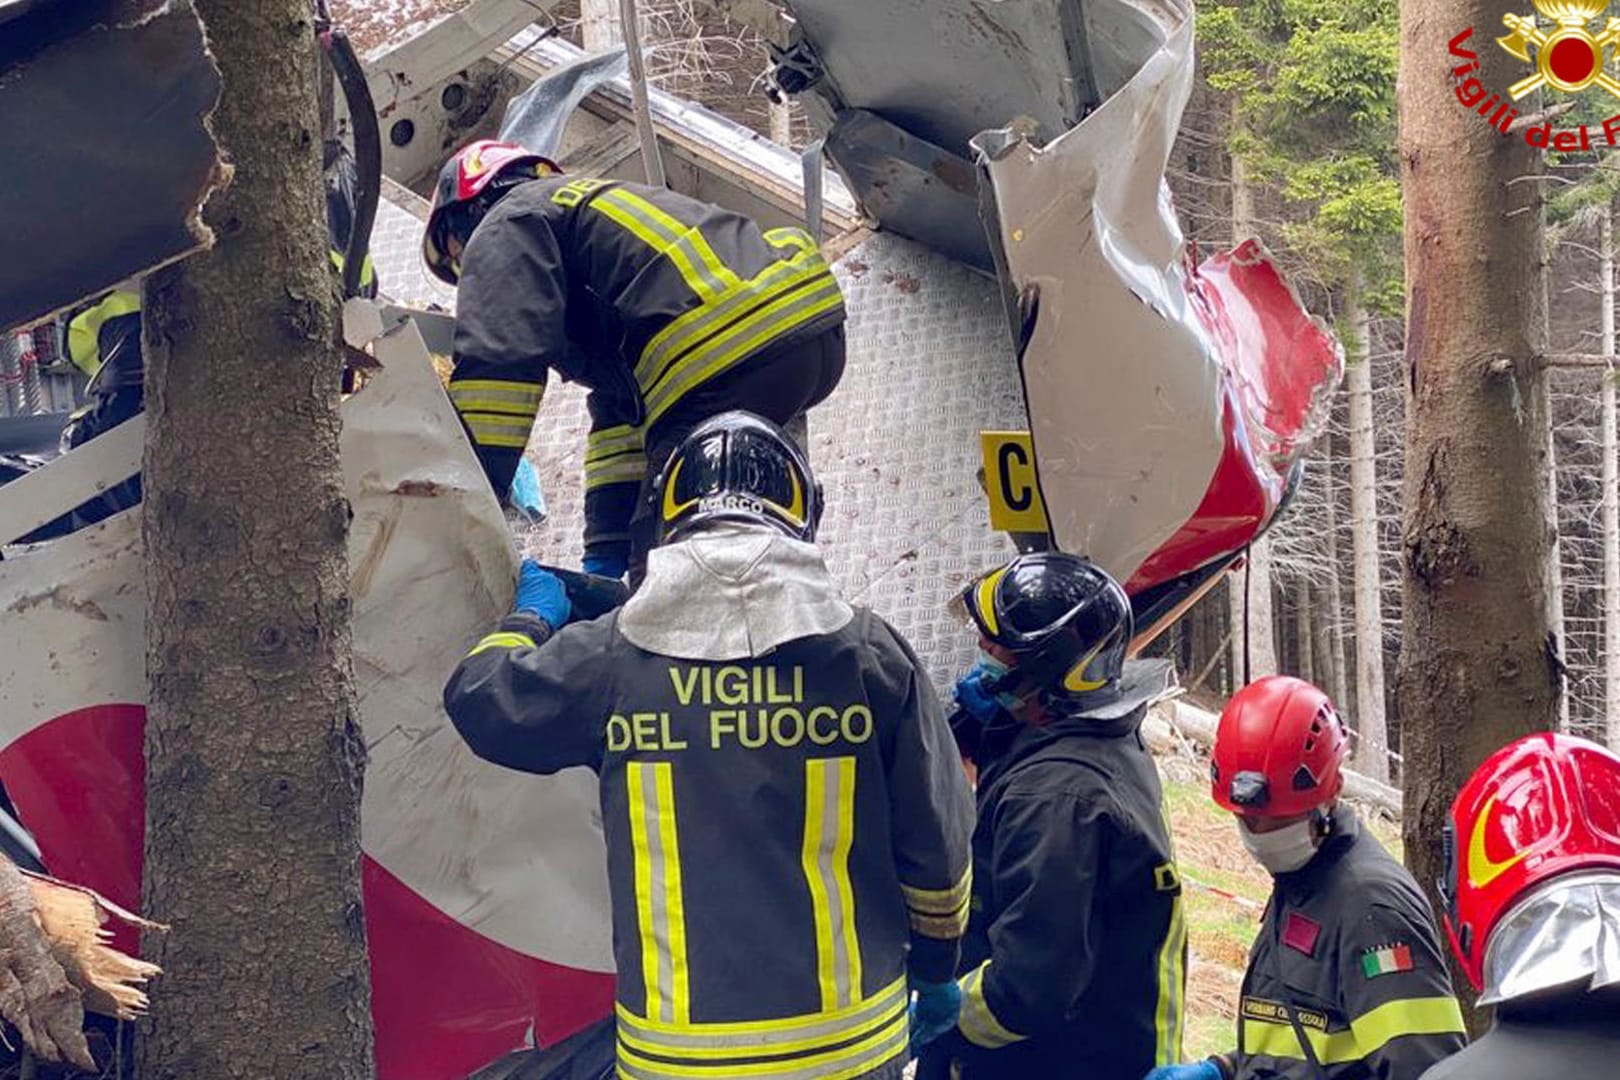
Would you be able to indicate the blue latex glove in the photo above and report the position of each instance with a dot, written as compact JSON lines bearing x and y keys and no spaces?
{"x":612,"y":566}
{"x":974,"y":699}
{"x":540,"y":592}
{"x":1202,"y":1070}
{"x":525,"y":494}
{"x":934,"y":1012}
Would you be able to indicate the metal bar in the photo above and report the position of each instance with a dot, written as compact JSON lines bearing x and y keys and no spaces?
{"x":651,"y":156}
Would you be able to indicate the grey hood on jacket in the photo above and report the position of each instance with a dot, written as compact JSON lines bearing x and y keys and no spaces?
{"x":732,"y":592}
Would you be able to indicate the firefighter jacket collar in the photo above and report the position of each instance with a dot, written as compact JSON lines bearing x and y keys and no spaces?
{"x":1018,"y":741}
{"x":731,"y":592}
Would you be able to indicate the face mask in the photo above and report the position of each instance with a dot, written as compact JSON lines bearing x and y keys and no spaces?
{"x":1285,"y":850}
{"x":994,"y":672}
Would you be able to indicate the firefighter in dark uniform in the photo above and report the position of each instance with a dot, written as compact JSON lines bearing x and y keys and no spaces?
{"x":1074,"y":961}
{"x":669,"y":310}
{"x":787,"y":822}
{"x":104,"y":342}
{"x":1532,"y":907}
{"x":1345,"y":978}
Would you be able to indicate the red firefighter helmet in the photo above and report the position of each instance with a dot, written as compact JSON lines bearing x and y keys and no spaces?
{"x":1538,"y":808}
{"x":465,"y":190}
{"x":1279,"y":749}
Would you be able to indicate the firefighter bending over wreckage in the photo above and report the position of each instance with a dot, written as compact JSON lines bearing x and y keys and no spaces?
{"x":1532,"y":906}
{"x":787,"y":821}
{"x":1075,"y":955}
{"x":1345,"y":977}
{"x":667,"y":309}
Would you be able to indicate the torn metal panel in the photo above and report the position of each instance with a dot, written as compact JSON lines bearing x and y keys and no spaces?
{"x":535,"y":119}
{"x":1167,"y":405}
{"x":131,"y":81}
{"x":942,"y":71}
{"x":913,"y":187}
{"x":485,"y":889}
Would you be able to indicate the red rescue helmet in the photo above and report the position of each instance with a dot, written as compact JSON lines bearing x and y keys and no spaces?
{"x":467,"y":187}
{"x":1279,"y":750}
{"x":1541,"y":807}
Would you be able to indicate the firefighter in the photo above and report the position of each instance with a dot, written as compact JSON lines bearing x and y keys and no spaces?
{"x":1532,"y":907}
{"x":787,"y":822}
{"x":1074,"y":961}
{"x":104,"y":342}
{"x":1345,"y":976}
{"x":668,"y":310}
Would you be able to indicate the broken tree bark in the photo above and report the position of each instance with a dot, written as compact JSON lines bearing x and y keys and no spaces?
{"x":1372,"y":745}
{"x":253,"y":752}
{"x":1475,"y":670}
{"x":35,"y":995}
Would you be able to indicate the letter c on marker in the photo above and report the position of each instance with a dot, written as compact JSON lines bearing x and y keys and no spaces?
{"x":1021,"y":497}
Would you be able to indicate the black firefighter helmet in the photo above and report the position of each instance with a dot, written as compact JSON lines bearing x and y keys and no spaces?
{"x":1064,"y":620}
{"x":737,"y":467}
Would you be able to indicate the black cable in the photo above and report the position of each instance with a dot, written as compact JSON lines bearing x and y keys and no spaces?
{"x":367,"y":156}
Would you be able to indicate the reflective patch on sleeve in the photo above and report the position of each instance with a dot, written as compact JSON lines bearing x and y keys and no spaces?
{"x":503,"y":639}
{"x":940,"y":913}
{"x":977,"y":1022}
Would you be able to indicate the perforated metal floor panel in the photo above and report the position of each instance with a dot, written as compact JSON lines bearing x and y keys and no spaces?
{"x":896,"y":446}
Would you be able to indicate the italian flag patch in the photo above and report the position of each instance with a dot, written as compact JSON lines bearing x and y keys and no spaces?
{"x":1386,"y":961}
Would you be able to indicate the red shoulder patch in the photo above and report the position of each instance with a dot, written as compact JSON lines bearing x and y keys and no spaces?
{"x":1300,"y":933}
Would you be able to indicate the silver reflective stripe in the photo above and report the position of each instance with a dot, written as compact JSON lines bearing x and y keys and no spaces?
{"x":740,"y":341}
{"x":659,"y":914}
{"x":692,"y":326}
{"x":682,"y":244}
{"x":760,"y":1038}
{"x":857,"y":1059}
{"x":829,"y":831}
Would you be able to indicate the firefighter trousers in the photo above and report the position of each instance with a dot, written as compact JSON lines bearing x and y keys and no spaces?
{"x":780,"y":385}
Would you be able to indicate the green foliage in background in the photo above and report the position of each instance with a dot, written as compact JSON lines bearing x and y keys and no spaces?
{"x":1314,"y":88}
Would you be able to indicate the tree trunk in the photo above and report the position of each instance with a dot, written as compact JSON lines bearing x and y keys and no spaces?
{"x":600,"y":27}
{"x":1253,"y":601}
{"x":1611,"y":494}
{"x":1475,"y":667}
{"x":253,"y":753}
{"x":1334,"y":682}
{"x":1555,"y":579}
{"x":1303,"y":636}
{"x":1372,"y":746}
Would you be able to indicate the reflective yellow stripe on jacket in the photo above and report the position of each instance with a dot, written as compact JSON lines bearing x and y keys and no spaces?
{"x":498,"y":412}
{"x":1267,"y":1029}
{"x":615,"y":455}
{"x":84,"y":329}
{"x":978,"y":1022}
{"x":843,"y":1042}
{"x":660,"y":912}
{"x":829,"y":831}
{"x":940,"y":913}
{"x":1169,"y":1013}
{"x":735,"y":318}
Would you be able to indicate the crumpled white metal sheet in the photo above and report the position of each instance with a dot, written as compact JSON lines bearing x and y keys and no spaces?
{"x":1154,"y":393}
{"x":486,"y":891}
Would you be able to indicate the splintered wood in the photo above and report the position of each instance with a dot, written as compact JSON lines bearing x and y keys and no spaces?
{"x":55,"y":964}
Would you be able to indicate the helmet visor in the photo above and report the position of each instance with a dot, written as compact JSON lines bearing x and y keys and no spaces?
{"x":755,"y":477}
